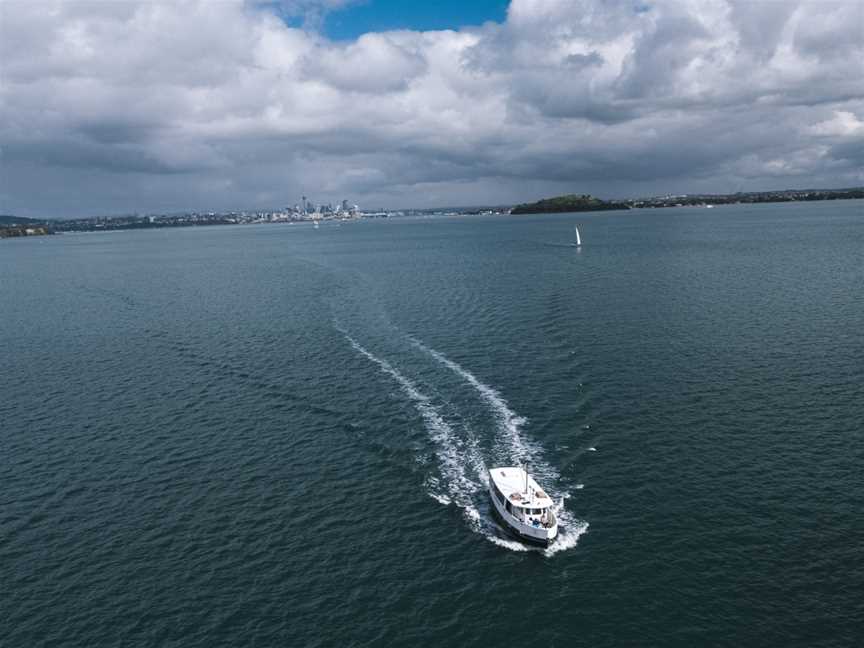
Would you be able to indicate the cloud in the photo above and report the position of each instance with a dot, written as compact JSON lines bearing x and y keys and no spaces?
{"x":375,"y":63}
{"x":122,"y":106}
{"x":310,"y":13}
{"x":844,"y":123}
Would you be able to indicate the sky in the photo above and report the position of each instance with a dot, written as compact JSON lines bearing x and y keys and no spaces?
{"x":116,"y":106}
{"x":359,"y":18}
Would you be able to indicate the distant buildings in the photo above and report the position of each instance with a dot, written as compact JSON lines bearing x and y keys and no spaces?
{"x":16,"y":230}
{"x":307,"y":210}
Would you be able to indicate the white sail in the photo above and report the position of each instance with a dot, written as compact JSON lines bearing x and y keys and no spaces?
{"x":578,"y":238}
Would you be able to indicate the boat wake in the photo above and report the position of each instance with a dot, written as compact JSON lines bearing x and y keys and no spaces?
{"x":521,"y":451}
{"x":454,"y":455}
{"x":463,"y":473}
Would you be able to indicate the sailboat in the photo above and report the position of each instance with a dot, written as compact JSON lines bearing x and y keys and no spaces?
{"x":578,"y":242}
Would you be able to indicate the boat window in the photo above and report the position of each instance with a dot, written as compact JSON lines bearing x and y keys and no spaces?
{"x":509,"y":507}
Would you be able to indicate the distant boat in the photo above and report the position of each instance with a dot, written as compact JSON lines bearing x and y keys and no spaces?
{"x":578,"y":238}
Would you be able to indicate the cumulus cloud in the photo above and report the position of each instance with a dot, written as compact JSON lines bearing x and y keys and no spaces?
{"x":375,"y":63}
{"x":121,"y":106}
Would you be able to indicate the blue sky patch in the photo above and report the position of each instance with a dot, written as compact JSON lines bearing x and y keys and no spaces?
{"x":383,"y":15}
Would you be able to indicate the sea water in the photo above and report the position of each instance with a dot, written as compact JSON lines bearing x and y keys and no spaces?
{"x":271,"y":435}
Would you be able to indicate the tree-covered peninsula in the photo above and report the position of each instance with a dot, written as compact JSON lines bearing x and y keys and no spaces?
{"x":569,"y":203}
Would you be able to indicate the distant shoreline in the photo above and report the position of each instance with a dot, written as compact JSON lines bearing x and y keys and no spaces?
{"x":585,"y":203}
{"x":24,"y":231}
{"x":14,"y":227}
{"x":568,"y":204}
{"x":790,"y":195}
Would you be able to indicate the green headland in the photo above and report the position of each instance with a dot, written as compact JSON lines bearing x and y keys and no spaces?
{"x":568,"y":203}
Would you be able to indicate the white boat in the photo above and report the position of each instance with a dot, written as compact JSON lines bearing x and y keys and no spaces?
{"x":578,"y":238}
{"x":522,"y":506}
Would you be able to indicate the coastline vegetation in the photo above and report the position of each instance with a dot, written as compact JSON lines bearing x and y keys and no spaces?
{"x":568,"y":203}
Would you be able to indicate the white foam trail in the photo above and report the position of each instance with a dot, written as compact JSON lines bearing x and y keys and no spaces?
{"x":512,"y":545}
{"x":568,"y":537}
{"x":441,"y":499}
{"x":521,"y":450}
{"x":451,"y":452}
{"x":475,"y":458}
{"x":510,"y":421}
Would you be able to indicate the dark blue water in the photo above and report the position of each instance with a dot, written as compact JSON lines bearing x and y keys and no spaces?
{"x":275,"y":435}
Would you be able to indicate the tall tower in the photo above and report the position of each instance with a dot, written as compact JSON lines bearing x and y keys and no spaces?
{"x":304,"y":204}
